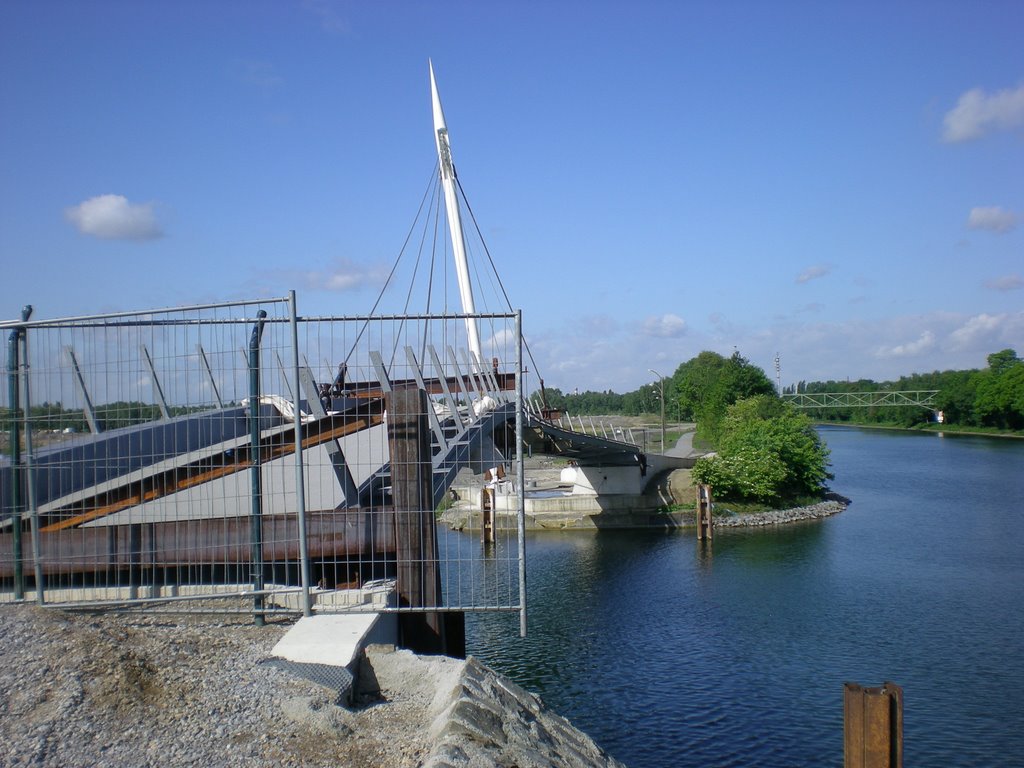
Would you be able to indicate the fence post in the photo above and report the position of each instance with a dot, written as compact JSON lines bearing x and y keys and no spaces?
{"x":14,"y":417}
{"x":872,"y":726}
{"x":30,"y":481}
{"x":520,"y":475}
{"x":256,"y":526}
{"x":300,"y":479}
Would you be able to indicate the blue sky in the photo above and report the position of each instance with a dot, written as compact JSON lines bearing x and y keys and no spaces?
{"x":841,"y":184}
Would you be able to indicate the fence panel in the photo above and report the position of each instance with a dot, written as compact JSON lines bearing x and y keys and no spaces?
{"x":469,"y":416}
{"x":164,"y":456}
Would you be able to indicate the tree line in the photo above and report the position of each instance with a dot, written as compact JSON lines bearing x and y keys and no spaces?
{"x":767,"y":450}
{"x":54,"y":417}
{"x":992,"y":397}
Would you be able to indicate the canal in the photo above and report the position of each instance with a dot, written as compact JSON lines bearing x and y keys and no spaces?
{"x":670,"y":653}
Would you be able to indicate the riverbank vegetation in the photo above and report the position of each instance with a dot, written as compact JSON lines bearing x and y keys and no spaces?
{"x":990,"y":400}
{"x":768,"y":452}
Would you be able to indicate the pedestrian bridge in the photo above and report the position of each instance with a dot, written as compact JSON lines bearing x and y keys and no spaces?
{"x":201,"y":466}
{"x":924,"y":398}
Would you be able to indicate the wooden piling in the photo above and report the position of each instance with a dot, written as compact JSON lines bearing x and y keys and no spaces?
{"x":487,"y":516}
{"x":705,"y":526}
{"x":418,"y":568}
{"x":873,"y":726}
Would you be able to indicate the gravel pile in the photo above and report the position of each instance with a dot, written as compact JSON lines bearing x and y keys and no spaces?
{"x":170,"y":690}
{"x":160,"y":690}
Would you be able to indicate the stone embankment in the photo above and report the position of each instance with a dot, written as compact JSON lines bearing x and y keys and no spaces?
{"x":830,"y":506}
{"x":159,"y":690}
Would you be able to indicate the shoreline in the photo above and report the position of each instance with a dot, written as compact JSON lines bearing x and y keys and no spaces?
{"x":833,"y":504}
{"x":928,"y":431}
{"x":468,"y":521}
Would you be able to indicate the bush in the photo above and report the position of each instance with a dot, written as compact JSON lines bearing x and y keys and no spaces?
{"x":767,"y":452}
{"x":747,"y":474}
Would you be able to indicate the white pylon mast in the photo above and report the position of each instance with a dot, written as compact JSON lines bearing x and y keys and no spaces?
{"x":447,"y":168}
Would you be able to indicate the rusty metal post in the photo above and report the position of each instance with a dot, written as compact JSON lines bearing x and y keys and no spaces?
{"x":705,"y":526}
{"x":419,"y":573}
{"x":872,"y":726}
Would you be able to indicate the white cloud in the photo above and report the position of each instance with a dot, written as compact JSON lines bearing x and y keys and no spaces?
{"x":666,"y":326}
{"x":924,"y":343}
{"x":347,"y":276}
{"x":812,"y":273}
{"x":976,"y":330}
{"x":501,"y":345}
{"x":1005,"y":283}
{"x":345,"y":279}
{"x":112,"y":217}
{"x":978,"y":113}
{"x":992,"y":218}
{"x":344,"y":276}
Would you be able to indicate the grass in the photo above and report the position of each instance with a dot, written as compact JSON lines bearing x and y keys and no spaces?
{"x":668,"y":509}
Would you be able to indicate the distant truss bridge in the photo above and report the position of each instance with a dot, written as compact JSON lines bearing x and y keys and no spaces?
{"x":924,"y":398}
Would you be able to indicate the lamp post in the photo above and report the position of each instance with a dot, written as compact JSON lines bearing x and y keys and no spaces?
{"x":661,"y":382}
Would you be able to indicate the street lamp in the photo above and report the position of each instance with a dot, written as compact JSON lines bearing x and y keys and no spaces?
{"x":661,"y":382}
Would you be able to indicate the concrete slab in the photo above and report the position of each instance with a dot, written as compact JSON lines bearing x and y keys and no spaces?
{"x":333,"y":639}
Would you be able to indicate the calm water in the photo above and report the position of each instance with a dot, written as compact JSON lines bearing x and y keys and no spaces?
{"x":670,"y":654}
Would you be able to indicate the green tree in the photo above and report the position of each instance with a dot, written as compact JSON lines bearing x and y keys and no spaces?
{"x":999,"y":397}
{"x":709,"y":383}
{"x":957,"y":394}
{"x":768,"y":452}
{"x":1002,"y":361}
{"x":693,"y":381}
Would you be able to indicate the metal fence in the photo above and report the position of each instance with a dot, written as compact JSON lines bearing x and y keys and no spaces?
{"x":239,"y":457}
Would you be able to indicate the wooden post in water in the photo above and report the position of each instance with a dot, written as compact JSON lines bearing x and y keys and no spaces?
{"x":419,"y":574}
{"x":704,"y":523}
{"x":487,"y":515}
{"x":873,"y":726}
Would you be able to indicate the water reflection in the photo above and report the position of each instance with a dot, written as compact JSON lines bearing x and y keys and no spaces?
{"x":768,"y":546}
{"x":673,"y":653}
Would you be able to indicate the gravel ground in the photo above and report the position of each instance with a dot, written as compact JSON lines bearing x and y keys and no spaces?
{"x":169,"y":690}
